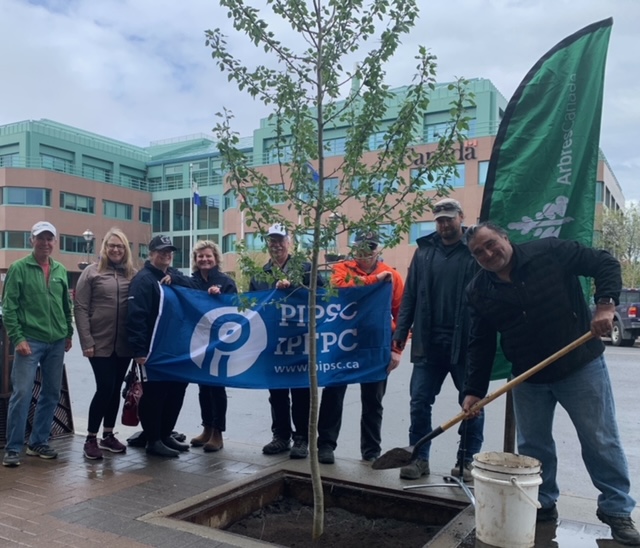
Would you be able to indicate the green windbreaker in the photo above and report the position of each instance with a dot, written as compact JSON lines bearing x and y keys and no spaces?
{"x":33,"y":310}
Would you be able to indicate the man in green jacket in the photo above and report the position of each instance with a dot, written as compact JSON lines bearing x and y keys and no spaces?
{"x":37,"y":317}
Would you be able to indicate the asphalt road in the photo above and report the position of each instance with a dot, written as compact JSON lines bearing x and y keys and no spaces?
{"x":249,"y":421}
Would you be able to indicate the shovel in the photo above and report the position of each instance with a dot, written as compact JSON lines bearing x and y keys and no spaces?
{"x":401,"y":456}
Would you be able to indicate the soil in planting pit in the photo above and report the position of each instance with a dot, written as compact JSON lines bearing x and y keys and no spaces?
{"x":287,"y":522}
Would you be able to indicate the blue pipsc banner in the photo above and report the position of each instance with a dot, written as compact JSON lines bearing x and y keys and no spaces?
{"x":213,"y":340}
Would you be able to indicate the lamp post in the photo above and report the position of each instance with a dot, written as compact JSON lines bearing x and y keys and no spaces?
{"x":88,"y":238}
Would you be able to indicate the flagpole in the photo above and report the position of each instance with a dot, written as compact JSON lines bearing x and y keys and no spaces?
{"x":193,"y":208}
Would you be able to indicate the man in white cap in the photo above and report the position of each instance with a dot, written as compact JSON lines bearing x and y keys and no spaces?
{"x":434,"y":308}
{"x":287,"y":405}
{"x":37,"y":316}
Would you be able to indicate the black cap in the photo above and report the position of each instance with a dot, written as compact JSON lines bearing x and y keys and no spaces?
{"x":366,"y":238}
{"x":160,"y":243}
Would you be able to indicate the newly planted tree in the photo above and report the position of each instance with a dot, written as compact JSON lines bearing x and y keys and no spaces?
{"x":341,"y":139}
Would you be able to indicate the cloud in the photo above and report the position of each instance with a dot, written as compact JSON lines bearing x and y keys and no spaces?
{"x":138,"y":70}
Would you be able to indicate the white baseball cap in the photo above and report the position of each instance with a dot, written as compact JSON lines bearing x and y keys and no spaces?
{"x":277,"y":230}
{"x":43,"y":226}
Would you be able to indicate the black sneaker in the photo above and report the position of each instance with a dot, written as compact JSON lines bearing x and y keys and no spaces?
{"x":325,"y":455}
{"x":547,"y":514}
{"x":300,"y":449}
{"x":622,"y":529}
{"x":275,"y":446}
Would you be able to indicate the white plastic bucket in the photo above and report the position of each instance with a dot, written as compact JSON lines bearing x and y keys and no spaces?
{"x":506,"y":491}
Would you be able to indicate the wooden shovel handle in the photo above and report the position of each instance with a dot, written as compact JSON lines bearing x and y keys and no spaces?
{"x":518,"y":380}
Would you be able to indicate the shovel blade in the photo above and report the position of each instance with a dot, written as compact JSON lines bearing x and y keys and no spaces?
{"x":394,"y":458}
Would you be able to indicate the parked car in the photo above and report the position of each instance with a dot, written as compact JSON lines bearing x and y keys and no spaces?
{"x":626,"y":323}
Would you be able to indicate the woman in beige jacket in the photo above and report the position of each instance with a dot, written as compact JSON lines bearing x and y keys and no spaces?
{"x":101,"y":311}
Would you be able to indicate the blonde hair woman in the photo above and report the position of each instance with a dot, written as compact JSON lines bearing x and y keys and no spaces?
{"x":101,"y":312}
{"x":205,"y":266}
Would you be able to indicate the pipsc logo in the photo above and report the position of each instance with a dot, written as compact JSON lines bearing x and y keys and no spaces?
{"x":228,"y":341}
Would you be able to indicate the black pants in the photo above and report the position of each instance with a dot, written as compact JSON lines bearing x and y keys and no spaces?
{"x":283,"y":411}
{"x":109,"y":373}
{"x":213,"y":406}
{"x":330,"y":417}
{"x":159,"y":408}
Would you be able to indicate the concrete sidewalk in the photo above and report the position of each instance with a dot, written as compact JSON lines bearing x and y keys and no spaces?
{"x":78,"y":503}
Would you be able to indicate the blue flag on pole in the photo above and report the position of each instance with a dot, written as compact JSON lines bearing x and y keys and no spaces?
{"x":196,"y":195}
{"x":314,"y":174}
{"x":208,"y":339}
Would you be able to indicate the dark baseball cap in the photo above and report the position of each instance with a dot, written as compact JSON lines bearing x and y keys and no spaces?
{"x":160,"y":243}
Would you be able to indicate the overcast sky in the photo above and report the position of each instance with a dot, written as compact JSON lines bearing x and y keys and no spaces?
{"x":138,"y":70}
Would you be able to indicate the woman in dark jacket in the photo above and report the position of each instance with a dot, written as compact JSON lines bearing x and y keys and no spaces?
{"x":205,"y":265}
{"x":101,"y":312}
{"x":161,"y":401}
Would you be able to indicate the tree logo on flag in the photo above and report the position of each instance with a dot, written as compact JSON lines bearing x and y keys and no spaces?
{"x":548,"y":222}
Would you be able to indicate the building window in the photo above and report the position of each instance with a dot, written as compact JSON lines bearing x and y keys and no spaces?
{"x":117,"y":210}
{"x":173,"y":182}
{"x":275,"y":155}
{"x":386,"y":232}
{"x":143,"y":251}
{"x":8,"y":160}
{"x":74,"y":244}
{"x":434,"y":132}
{"x":599,"y":192}
{"x":209,"y":213}
{"x":379,"y":184}
{"x":305,"y":241}
{"x":182,"y":214}
{"x":254,"y":241}
{"x":377,"y":141}
{"x":455,"y":179}
{"x":211,"y":237}
{"x":182,"y":257}
{"x":331,"y":188}
{"x":97,"y":173}
{"x":75,"y":202}
{"x":483,"y":169}
{"x":160,"y":216}
{"x":144,"y":215}
{"x":335,"y":147}
{"x":229,"y":243}
{"x":230,"y":200}
{"x":155,"y":184}
{"x":13,"y":195}
{"x":12,"y":239}
{"x":55,"y":163}
{"x":421,"y":229}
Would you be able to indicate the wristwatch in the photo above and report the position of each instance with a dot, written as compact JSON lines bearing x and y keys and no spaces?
{"x":606,"y":300}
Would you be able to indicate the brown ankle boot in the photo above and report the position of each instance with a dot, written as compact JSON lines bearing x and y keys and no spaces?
{"x":203,"y":438}
{"x":215,"y":443}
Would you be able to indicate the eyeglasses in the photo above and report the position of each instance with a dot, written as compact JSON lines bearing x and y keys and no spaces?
{"x":112,"y":247}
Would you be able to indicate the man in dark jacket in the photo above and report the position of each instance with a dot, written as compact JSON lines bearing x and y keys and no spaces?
{"x":433,"y":307}
{"x":283,"y":409}
{"x":531,"y":295}
{"x":161,"y":401}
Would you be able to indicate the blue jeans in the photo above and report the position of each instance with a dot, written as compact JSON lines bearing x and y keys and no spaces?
{"x":587,"y":397}
{"x":50,"y":356}
{"x":426,"y":381}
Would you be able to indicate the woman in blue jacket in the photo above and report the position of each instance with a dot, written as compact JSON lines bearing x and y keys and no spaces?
{"x":206,"y":274}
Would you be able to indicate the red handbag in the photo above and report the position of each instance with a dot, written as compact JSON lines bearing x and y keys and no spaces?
{"x":132,"y":394}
